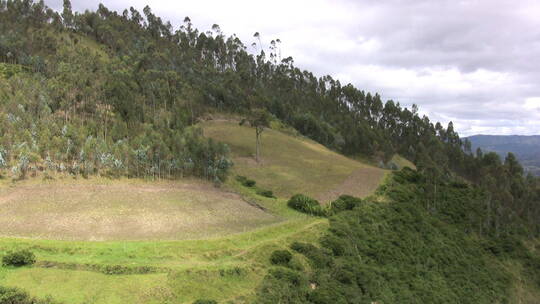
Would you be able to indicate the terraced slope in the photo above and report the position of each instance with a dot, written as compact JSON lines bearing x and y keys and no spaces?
{"x":292,"y":165}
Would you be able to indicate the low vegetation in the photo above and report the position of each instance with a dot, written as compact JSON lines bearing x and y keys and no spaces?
{"x":17,"y":296}
{"x":19,"y":258}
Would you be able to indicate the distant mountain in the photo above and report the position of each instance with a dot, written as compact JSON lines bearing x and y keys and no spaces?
{"x":526,"y":148}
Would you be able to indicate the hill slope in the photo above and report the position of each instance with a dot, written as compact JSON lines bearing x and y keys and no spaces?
{"x":291,"y":165}
{"x":526,"y":148}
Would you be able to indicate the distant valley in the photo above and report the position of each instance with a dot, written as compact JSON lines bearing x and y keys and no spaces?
{"x":526,"y":148}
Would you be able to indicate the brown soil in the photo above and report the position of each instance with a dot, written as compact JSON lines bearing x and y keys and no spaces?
{"x":125,"y":211}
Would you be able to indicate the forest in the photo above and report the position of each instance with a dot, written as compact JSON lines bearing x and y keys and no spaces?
{"x":120,"y":94}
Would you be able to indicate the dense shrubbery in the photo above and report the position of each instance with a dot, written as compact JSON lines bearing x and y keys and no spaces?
{"x":19,"y":258}
{"x":404,"y":251}
{"x":306,"y":204}
{"x":344,"y":202}
{"x":280,"y":257}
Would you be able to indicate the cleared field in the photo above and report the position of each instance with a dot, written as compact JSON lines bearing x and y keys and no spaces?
{"x":124,"y":210}
{"x":291,"y":165}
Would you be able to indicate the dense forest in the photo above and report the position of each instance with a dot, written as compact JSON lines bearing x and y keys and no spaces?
{"x":121,"y":94}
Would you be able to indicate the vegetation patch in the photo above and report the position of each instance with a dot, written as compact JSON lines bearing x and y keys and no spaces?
{"x":306,"y":204}
{"x":19,"y":258}
{"x":401,"y":251}
{"x":11,"y":295}
{"x":280,"y":257}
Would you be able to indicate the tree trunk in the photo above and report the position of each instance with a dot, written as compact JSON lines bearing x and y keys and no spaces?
{"x":257,"y":146}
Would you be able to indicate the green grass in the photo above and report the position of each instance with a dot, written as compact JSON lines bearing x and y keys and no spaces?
{"x":223,"y":268}
{"x":87,"y":287}
{"x":289,"y":165}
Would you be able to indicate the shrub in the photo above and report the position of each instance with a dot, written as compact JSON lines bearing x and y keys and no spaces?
{"x":287,"y":276}
{"x":10,"y":295}
{"x":205,"y":302}
{"x":306,"y":204}
{"x":266,"y":193}
{"x":344,"y":202}
{"x":280,"y":257}
{"x":246,"y":182}
{"x":19,"y":258}
{"x":316,"y":256}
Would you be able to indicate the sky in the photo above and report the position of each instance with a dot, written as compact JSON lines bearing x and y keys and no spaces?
{"x":476,"y":63}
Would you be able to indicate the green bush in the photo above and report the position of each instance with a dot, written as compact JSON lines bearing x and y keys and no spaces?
{"x":205,"y":302}
{"x":317,"y":257}
{"x":280,"y":257}
{"x":246,"y":182}
{"x":306,"y":204}
{"x":19,"y":258}
{"x":344,"y":202}
{"x":10,"y":295}
{"x":266,"y":193}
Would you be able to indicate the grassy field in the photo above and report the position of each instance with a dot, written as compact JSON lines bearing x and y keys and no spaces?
{"x":291,"y":165}
{"x":224,"y":268}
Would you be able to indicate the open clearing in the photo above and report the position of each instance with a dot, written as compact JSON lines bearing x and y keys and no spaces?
{"x":291,"y":165}
{"x":124,"y":210}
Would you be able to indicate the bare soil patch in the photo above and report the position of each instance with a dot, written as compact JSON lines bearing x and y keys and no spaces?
{"x":124,"y":210}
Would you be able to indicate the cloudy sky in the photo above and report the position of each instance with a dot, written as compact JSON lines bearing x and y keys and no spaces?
{"x":476,"y":63}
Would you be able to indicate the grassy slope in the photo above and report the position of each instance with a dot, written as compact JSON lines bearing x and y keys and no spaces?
{"x":223,"y":268}
{"x":292,"y":165}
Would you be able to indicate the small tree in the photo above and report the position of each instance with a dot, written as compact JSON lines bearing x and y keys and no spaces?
{"x":259,"y":119}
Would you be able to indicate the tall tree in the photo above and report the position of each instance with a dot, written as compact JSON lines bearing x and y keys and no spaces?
{"x":258,"y":119}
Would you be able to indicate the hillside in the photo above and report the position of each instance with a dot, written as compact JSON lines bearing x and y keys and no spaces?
{"x":526,"y":148}
{"x":291,"y":165}
{"x":127,"y":175}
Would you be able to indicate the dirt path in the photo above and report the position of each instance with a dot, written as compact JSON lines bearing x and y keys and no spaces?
{"x":360,"y":183}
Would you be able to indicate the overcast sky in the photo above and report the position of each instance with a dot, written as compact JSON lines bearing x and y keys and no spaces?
{"x":476,"y":63}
